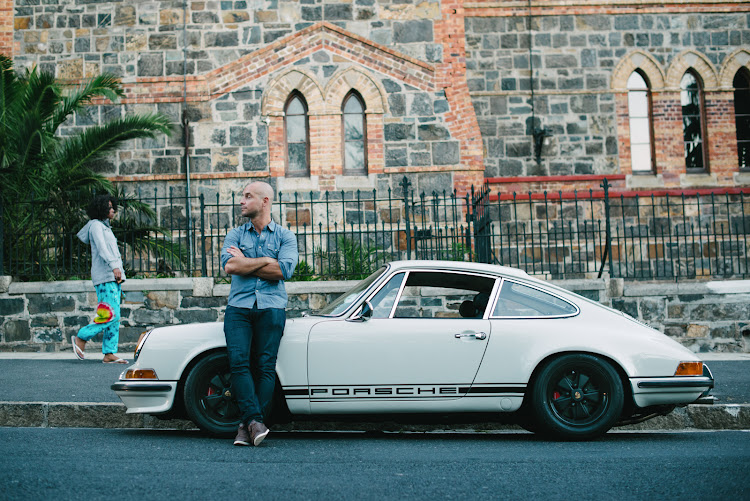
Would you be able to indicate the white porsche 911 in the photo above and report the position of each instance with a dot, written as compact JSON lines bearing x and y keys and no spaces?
{"x":425,"y":337}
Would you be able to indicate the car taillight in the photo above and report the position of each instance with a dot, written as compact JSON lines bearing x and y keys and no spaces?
{"x":689,"y":369}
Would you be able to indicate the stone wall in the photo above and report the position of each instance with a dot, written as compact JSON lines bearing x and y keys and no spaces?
{"x":41,"y":316}
{"x":446,"y":84}
{"x":574,"y":60}
{"x":229,"y":68}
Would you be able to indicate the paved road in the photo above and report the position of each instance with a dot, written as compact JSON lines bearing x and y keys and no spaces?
{"x":71,"y":380}
{"x":63,"y":464}
{"x":66,"y":380}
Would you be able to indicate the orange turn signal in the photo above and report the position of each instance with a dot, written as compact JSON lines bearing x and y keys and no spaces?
{"x":689,"y":369}
{"x":140,"y":374}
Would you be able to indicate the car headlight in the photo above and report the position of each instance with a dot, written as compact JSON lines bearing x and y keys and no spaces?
{"x":689,"y":369}
{"x":141,"y":341}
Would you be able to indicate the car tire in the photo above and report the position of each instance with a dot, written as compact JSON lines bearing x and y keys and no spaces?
{"x":208,"y":397}
{"x":577,"y":397}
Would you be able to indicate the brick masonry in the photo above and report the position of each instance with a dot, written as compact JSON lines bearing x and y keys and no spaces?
{"x":446,"y":85}
{"x":41,"y":316}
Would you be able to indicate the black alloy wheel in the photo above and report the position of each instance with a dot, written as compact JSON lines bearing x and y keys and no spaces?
{"x":577,"y":397}
{"x":209,"y":401}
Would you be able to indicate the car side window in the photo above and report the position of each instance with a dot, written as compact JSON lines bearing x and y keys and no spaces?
{"x":382,"y":302}
{"x":444,"y":295}
{"x":518,"y":300}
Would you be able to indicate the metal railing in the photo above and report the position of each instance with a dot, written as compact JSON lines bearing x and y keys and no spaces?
{"x":350,"y":234}
{"x":346,"y":235}
{"x":576,"y":235}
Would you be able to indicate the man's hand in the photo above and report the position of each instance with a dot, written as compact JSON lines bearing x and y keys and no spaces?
{"x":238,"y":264}
{"x":118,"y":275}
{"x":235,"y":251}
{"x":262,"y":267}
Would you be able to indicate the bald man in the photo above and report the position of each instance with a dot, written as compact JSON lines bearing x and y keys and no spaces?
{"x":259,"y":255}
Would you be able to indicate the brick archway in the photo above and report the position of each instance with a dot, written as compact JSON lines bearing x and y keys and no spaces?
{"x":282,"y":85}
{"x":637,"y":60}
{"x":736,"y":60}
{"x":355,"y":78}
{"x":696,"y":61}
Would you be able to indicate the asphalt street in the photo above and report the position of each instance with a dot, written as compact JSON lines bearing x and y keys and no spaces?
{"x":72,"y":380}
{"x":74,"y":464}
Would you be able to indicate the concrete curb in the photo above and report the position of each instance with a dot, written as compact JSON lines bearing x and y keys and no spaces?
{"x":112,"y":415}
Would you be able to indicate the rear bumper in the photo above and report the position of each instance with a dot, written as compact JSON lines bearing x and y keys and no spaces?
{"x":672,"y":390}
{"x":146,"y":397}
{"x":677,"y":383}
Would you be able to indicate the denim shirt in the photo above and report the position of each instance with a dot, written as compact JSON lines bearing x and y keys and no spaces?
{"x":274,"y":241}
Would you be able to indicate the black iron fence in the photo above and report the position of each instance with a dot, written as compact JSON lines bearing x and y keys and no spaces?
{"x":350,"y":234}
{"x":661,"y":236}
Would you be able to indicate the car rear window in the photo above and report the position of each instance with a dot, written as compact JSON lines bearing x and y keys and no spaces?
{"x":517,"y":300}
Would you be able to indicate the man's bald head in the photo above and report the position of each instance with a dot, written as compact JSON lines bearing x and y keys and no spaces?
{"x":257,"y":198}
{"x":262,"y":189}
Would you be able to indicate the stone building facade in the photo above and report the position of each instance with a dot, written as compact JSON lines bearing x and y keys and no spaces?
{"x":529,"y":95}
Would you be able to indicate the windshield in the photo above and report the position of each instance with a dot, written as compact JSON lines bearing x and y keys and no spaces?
{"x":346,"y":299}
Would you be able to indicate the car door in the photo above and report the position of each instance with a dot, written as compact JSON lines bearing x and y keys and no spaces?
{"x":527,"y":322}
{"x":423,"y":344}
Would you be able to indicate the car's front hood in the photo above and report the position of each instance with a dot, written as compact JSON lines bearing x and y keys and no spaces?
{"x":169,"y":349}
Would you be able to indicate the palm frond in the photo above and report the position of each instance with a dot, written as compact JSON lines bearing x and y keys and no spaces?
{"x":38,"y":164}
{"x":42,"y":95}
{"x":9,"y":89}
{"x":94,"y":142}
{"x":105,"y":85}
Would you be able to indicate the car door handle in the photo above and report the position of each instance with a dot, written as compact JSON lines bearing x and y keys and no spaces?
{"x":475,"y":335}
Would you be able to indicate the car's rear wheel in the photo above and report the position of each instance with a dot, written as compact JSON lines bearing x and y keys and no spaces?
{"x":209,"y":401}
{"x":577,"y":397}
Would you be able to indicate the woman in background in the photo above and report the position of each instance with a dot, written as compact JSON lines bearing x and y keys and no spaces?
{"x":107,"y":274}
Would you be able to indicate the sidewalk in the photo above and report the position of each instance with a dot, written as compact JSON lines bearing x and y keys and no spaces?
{"x":57,"y":390}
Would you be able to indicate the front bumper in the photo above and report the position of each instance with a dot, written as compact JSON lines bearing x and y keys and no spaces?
{"x":146,"y":397}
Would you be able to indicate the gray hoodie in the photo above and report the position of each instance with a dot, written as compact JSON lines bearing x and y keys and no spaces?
{"x":105,"y":256}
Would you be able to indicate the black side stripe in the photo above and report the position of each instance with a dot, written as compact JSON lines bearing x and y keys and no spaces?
{"x":299,"y":391}
{"x":496,"y":389}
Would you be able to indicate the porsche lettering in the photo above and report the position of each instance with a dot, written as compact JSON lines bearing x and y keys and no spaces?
{"x":384,"y":391}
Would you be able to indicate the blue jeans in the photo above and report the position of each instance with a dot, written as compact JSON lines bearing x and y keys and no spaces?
{"x":253,"y":337}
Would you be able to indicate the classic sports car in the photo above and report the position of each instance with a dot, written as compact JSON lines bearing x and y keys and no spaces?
{"x":425,"y":337}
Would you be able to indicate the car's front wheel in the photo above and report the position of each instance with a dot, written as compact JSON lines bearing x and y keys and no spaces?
{"x":209,"y":401}
{"x":577,"y":397}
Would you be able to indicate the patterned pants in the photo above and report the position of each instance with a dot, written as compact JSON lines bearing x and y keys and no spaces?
{"x":109,"y":293}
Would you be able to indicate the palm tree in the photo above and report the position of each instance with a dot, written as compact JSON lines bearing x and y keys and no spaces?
{"x":40,"y":166}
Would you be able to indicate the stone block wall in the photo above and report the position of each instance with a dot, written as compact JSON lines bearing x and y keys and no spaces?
{"x":229,"y":68}
{"x":41,"y":316}
{"x":705,"y":317}
{"x":579,"y":61}
{"x":446,"y":84}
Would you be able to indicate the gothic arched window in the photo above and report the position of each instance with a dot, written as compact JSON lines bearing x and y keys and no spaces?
{"x":641,"y":125}
{"x":741,"y":86}
{"x":693,"y":122}
{"x":296,"y":134}
{"x":355,"y":134}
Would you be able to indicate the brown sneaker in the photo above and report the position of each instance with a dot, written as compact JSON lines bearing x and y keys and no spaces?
{"x":258,"y":431}
{"x":243,"y":437}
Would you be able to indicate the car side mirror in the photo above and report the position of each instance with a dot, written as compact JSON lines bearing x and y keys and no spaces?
{"x":364,"y":315}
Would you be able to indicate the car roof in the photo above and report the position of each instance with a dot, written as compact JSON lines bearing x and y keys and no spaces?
{"x":460,"y":266}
